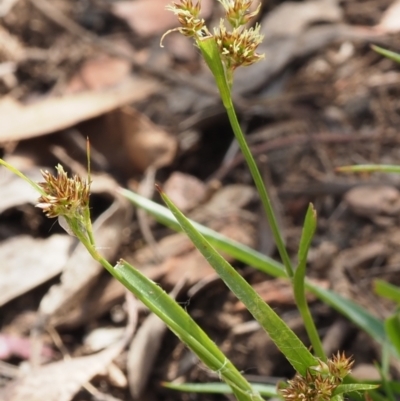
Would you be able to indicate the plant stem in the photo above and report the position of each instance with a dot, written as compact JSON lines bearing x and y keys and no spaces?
{"x":212,"y":57}
{"x":265,"y":199}
{"x":311,"y":329}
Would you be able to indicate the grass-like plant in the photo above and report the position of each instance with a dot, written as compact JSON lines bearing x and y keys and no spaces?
{"x":317,"y":377}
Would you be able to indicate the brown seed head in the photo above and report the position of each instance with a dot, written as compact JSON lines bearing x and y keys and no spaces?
{"x":64,"y":196}
{"x":320,"y":381}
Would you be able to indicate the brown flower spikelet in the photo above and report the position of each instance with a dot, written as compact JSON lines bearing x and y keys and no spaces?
{"x":64,"y":196}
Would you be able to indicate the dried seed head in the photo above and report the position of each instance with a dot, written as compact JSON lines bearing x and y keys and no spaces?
{"x":64,"y":196}
{"x":320,"y":381}
{"x":309,"y":388}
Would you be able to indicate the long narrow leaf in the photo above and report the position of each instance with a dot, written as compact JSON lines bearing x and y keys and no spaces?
{"x":283,"y":337}
{"x":348,"y":388}
{"x":233,"y":248}
{"x":355,"y":313}
{"x":370,"y":168}
{"x":387,"y":53}
{"x":265,"y":390}
{"x":387,"y":290}
{"x":385,"y":381}
{"x":168,"y":310}
{"x":392,"y":327}
{"x":309,"y":227}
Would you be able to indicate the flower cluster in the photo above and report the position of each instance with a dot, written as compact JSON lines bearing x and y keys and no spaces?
{"x":188,"y":17}
{"x":63,"y":196}
{"x":238,"y":12}
{"x":237,"y":46}
{"x":320,"y":381}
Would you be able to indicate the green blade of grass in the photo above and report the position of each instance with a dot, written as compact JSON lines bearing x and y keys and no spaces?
{"x":283,"y":337}
{"x":370,"y":168}
{"x":219,"y":388}
{"x":392,"y":328}
{"x":186,"y":329}
{"x":387,"y":290}
{"x":309,"y":227}
{"x":355,"y":313}
{"x":34,"y":184}
{"x":384,"y":372}
{"x":235,"y":249}
{"x":387,"y":53}
{"x":348,"y":388}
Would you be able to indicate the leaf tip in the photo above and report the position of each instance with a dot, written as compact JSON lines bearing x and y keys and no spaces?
{"x":159,"y":189}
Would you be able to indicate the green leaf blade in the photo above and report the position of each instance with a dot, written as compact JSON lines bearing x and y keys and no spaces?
{"x":392,"y":328}
{"x":219,"y":388}
{"x":387,"y":53}
{"x":355,"y":313}
{"x":309,"y":227}
{"x":348,"y":388}
{"x":387,"y":290}
{"x":284,"y":338}
{"x":186,"y":329}
{"x":370,"y":168}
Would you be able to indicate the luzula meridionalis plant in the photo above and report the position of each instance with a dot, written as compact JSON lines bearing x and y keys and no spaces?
{"x":67,"y":198}
{"x":317,"y":378}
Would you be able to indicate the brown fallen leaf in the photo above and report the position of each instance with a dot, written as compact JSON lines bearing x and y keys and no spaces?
{"x":150,"y":17}
{"x":18,"y":191}
{"x":185,"y":191}
{"x":193,"y":266}
{"x":291,"y":18}
{"x":145,"y":17}
{"x":60,"y":381}
{"x":99,"y":73}
{"x":373,"y":200}
{"x":146,"y":143}
{"x":130,"y":141}
{"x":23,"y":271}
{"x":21,"y":121}
{"x":390,"y":21}
{"x":106,"y":293}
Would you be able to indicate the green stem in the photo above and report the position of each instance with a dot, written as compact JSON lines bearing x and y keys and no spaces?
{"x":265,"y":199}
{"x":310,"y":327}
{"x":211,"y":55}
{"x":89,"y":227}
